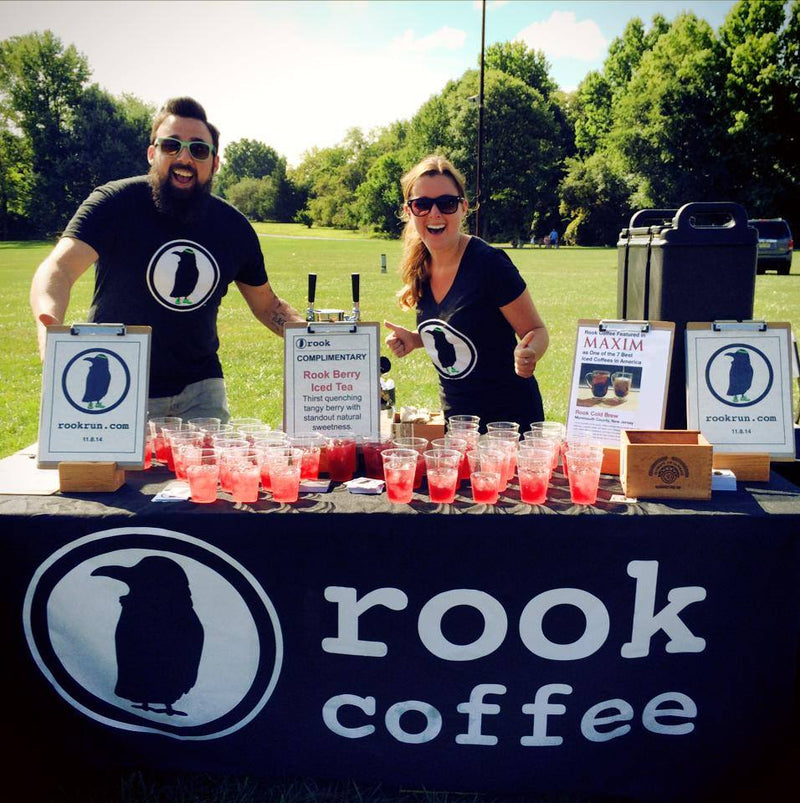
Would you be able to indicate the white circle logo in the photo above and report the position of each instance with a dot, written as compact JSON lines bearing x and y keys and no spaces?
{"x":151,"y":630}
{"x":453,"y":355}
{"x":182,"y":275}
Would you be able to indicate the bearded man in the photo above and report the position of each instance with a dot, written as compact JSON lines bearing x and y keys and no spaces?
{"x":151,"y":237}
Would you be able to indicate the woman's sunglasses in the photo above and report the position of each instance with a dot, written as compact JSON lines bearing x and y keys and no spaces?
{"x":171,"y":146}
{"x":446,"y":204}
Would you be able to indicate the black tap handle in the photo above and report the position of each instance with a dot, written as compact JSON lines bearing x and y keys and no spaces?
{"x":312,"y":288}
{"x":356,"y":277}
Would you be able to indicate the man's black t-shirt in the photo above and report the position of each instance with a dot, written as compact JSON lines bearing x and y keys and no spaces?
{"x":156,"y":271}
{"x":471,"y":343}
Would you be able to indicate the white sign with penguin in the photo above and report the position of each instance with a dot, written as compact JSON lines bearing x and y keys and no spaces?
{"x":94,"y":395}
{"x":739,"y":386}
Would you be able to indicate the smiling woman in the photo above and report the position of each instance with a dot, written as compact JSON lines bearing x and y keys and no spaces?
{"x":475,"y":316}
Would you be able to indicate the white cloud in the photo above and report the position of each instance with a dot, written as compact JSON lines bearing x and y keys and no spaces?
{"x":445,"y":38}
{"x":562,"y":36}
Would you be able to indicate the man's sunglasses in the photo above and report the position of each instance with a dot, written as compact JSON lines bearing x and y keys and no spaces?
{"x":446,"y":204}
{"x":199,"y":150}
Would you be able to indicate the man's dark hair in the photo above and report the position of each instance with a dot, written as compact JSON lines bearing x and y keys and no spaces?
{"x":184,"y":107}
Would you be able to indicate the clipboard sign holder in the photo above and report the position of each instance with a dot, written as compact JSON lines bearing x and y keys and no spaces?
{"x":89,"y":476}
{"x":611,"y":454}
{"x":747,"y":466}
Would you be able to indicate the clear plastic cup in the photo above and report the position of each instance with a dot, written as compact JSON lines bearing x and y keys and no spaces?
{"x":419,"y":445}
{"x":244,"y":474}
{"x":455,"y":422}
{"x":536,"y":439}
{"x":502,"y":426}
{"x":310,"y":443}
{"x":534,"y":466}
{"x":209,"y":427}
{"x":252,"y":432}
{"x":461,"y":445}
{"x":285,"y":468}
{"x":579,"y":442}
{"x":399,"y":467}
{"x":485,"y":487}
{"x":371,"y":451}
{"x":442,"y":468}
{"x":340,"y":450}
{"x":263,"y":451}
{"x":510,"y":443}
{"x":202,"y":472}
{"x":228,"y":450}
{"x":550,"y":429}
{"x":488,"y":458}
{"x":157,"y":426}
{"x":584,"y":474}
{"x":177,"y":439}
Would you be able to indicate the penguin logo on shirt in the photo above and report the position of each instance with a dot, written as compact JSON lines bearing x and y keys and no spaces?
{"x":453,"y":355}
{"x":182,"y":275}
{"x":154,"y":631}
{"x":739,"y":375}
{"x":186,"y":276}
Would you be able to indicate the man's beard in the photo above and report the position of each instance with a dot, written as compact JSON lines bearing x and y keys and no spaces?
{"x":184,"y":206}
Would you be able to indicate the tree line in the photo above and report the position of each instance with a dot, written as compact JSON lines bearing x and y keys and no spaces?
{"x":678,"y":112}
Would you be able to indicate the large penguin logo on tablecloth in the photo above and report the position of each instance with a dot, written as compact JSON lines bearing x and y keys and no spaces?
{"x":182,"y":275}
{"x":154,"y":631}
{"x":453,"y":355}
{"x":739,"y":375}
{"x":96,"y":381}
{"x":158,"y":638}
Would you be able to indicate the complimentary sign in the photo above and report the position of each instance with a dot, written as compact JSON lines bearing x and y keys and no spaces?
{"x":332,"y":378}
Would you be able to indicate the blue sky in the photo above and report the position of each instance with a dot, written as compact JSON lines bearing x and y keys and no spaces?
{"x":298,"y":74}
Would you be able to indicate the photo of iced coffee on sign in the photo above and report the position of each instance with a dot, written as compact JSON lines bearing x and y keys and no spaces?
{"x":621,"y":382}
{"x":609,"y":385}
{"x":598,"y":381}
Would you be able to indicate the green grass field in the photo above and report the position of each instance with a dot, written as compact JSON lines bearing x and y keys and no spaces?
{"x":566,"y":284}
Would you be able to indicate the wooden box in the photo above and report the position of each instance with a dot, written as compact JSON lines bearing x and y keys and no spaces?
{"x":84,"y":477}
{"x":665,"y":464}
{"x":434,"y":428}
